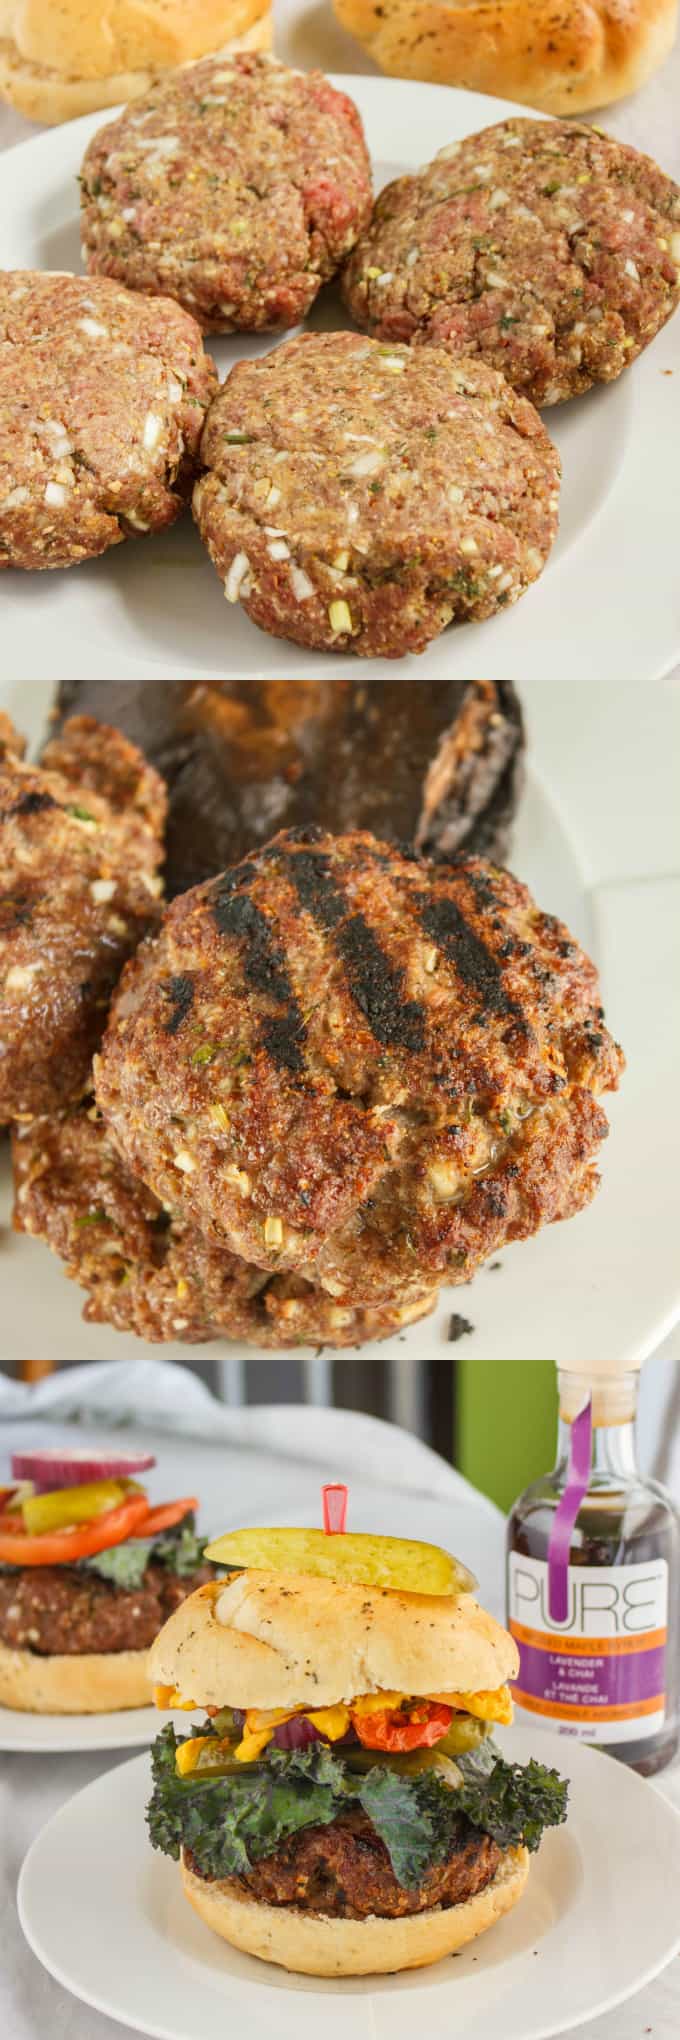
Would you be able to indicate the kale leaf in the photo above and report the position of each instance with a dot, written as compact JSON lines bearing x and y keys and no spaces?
{"x":232,"y":1820}
{"x":512,"y":1802}
{"x":179,"y":1550}
{"x":418,"y":1818}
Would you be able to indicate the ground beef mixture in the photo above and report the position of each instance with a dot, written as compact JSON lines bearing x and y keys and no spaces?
{"x":102,"y":401}
{"x":545,"y":247}
{"x":146,"y":1270}
{"x":234,"y":185}
{"x":344,"y":1871}
{"x":80,"y":847}
{"x":64,"y":1610}
{"x":359,"y":1066}
{"x":361,"y":497}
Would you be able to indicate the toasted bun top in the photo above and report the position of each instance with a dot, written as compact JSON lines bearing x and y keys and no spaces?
{"x":286,"y":1640}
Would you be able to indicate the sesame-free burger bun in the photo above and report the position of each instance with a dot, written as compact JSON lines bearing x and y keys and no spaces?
{"x":59,"y":62}
{"x":561,"y":56}
{"x":287,"y":1640}
{"x":322,"y":1946}
{"x":101,"y":1682}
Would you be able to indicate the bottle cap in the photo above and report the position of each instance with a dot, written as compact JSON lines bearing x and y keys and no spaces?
{"x":611,"y":1386}
{"x":599,"y":1370}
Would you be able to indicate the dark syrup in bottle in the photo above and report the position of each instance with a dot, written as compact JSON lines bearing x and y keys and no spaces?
{"x":623,"y":1590}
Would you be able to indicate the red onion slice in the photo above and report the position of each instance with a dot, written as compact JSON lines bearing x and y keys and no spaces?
{"x":297,"y":1734}
{"x":59,"y":1468}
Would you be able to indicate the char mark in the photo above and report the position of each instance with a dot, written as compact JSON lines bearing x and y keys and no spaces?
{"x":473,"y":962}
{"x":179,"y":991}
{"x":32,"y":804}
{"x":264,"y":967}
{"x":375,"y":985}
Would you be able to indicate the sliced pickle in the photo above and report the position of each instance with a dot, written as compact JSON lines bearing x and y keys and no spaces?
{"x":214,"y":1764}
{"x":224,"y":1724}
{"x":64,"y":1506}
{"x":396,"y":1563}
{"x":463,"y":1733}
{"x":407,"y":1762}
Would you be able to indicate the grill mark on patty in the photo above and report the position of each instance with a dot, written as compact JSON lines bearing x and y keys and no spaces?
{"x":376,"y":988}
{"x":180,"y":993}
{"x":472,"y":961}
{"x":375,"y":984}
{"x":30,"y":804}
{"x":264,"y":966}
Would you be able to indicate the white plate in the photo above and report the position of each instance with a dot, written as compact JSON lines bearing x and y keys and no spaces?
{"x":29,"y":1734}
{"x":608,"y":603}
{"x":599,"y":844}
{"x":599,"y":1919}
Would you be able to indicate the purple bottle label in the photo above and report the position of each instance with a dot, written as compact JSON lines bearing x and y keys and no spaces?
{"x":597,"y":1671}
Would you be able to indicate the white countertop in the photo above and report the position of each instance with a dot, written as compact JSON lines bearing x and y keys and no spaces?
{"x":270,"y":1460}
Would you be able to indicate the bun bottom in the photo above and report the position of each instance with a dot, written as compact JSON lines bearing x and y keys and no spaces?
{"x":103,"y":1682}
{"x":51,"y":96}
{"x":316,"y":1945}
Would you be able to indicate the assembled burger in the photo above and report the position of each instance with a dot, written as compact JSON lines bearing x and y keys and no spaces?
{"x":90,"y":1570}
{"x":343,"y":1811}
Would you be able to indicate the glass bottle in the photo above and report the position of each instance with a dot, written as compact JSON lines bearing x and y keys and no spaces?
{"x":604,"y":1667}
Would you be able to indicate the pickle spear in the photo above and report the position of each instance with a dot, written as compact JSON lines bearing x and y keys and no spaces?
{"x":399,"y":1564}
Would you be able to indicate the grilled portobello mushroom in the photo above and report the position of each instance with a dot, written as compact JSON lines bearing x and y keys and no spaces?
{"x":435,"y":763}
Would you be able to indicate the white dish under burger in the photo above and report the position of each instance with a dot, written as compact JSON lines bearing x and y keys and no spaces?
{"x":597,"y":1921}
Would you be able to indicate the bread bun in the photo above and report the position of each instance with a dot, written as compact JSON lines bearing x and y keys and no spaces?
{"x":283,"y":1640}
{"x":321,"y":1946}
{"x":562,"y":56}
{"x":101,"y":1682}
{"x":58,"y":63}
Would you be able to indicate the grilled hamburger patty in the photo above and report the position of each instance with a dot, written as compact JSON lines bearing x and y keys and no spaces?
{"x":146,"y":1270}
{"x":544,"y":247}
{"x":80,"y":845}
{"x":360,"y":498}
{"x":360,"y":1066}
{"x":102,"y":400}
{"x":344,"y":1870}
{"x":62,"y":1610}
{"x":234,"y":185}
{"x":439,"y":766}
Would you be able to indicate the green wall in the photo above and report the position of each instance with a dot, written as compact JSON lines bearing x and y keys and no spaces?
{"x":506,"y":1424}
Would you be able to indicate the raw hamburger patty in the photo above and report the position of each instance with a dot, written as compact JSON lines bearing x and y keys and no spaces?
{"x":439,"y":766}
{"x":547,"y":248}
{"x":102,"y":401}
{"x":234,"y":185}
{"x":344,"y":1871}
{"x":360,"y":497}
{"x":359,"y":1065}
{"x":80,"y":845}
{"x":63,"y":1610}
{"x":146,"y":1270}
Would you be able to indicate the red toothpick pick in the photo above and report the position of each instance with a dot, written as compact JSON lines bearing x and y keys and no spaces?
{"x":335,"y":1497}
